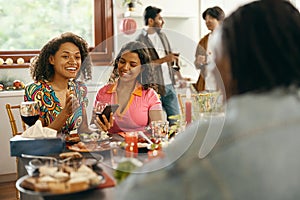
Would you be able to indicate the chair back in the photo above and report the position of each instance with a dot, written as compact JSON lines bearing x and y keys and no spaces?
{"x":11,"y":110}
{"x":203,"y":102}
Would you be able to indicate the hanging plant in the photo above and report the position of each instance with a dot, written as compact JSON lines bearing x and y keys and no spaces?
{"x":131,"y":4}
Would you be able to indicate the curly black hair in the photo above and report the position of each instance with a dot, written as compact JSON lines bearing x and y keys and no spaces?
{"x":146,"y":77}
{"x":262,"y":42}
{"x":42,"y":70}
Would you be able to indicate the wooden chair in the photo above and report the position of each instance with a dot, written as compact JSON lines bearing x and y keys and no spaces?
{"x":12,"y":120}
{"x":204,"y":102}
{"x":11,"y":110}
{"x":182,"y":99}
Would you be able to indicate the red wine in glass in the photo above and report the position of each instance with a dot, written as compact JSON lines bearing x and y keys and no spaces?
{"x":30,"y":112}
{"x":30,"y":120}
{"x":176,"y":63}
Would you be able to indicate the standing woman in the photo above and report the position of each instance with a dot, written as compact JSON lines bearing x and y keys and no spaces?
{"x":61,"y":96}
{"x":213,"y":18}
{"x":131,"y":86}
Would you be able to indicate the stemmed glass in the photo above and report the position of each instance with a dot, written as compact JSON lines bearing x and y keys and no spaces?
{"x":30,"y":112}
{"x":176,"y":63}
{"x":160,"y":130}
{"x":99,"y":107}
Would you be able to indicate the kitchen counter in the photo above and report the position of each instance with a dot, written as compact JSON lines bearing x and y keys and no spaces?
{"x":11,"y":93}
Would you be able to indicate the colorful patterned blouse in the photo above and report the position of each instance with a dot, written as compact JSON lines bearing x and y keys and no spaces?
{"x":50,"y":106}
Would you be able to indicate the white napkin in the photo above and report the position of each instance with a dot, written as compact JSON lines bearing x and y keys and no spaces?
{"x":38,"y":131}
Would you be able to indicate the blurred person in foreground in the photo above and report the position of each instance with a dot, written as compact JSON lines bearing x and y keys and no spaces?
{"x":131,"y":86}
{"x":61,"y":96}
{"x":256,"y":155}
{"x":213,"y":17}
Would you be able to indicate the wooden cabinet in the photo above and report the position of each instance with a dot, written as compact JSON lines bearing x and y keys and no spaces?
{"x":8,"y":164}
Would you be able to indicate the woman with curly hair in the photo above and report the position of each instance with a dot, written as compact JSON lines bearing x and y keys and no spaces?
{"x":131,"y":86}
{"x":61,"y":96}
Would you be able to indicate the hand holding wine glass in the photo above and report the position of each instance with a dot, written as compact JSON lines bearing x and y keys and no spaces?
{"x":30,"y":112}
{"x":176,"y":62}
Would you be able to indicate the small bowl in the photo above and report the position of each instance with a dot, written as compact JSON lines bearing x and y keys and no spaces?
{"x":32,"y":170}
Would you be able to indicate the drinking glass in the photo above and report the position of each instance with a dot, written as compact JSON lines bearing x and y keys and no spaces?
{"x":117,"y":154}
{"x":160,"y":130}
{"x":131,"y":140}
{"x":99,"y":107}
{"x":176,"y":63}
{"x":97,"y":110}
{"x":30,"y":112}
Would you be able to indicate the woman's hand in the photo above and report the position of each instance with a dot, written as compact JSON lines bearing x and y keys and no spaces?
{"x":107,"y":124}
{"x":71,"y":105}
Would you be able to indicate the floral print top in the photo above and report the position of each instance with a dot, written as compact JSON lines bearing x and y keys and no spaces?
{"x":50,"y":106}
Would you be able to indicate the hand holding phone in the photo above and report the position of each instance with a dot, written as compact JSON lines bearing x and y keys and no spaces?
{"x":106,"y":112}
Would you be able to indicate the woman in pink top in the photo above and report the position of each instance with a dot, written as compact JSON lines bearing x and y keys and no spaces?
{"x":132,"y":87}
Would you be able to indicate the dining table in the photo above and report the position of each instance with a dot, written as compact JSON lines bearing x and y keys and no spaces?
{"x":105,"y":190}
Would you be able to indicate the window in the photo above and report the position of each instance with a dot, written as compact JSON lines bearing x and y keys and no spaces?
{"x":31,"y":23}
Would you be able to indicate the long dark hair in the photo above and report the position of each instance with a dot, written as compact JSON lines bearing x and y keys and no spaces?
{"x":146,"y":77}
{"x":263,"y":44}
{"x":41,"y":69}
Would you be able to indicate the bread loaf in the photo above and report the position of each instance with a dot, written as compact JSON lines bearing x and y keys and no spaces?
{"x":58,"y":181}
{"x":77,"y":184}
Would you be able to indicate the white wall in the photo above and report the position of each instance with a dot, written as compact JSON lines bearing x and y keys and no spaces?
{"x":227,"y":6}
{"x":181,"y":26}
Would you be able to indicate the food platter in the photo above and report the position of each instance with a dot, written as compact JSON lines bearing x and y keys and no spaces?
{"x":94,"y":137}
{"x":89,"y":147}
{"x":32,"y":192}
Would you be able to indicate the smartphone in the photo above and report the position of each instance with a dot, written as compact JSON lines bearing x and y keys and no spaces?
{"x":107,"y":110}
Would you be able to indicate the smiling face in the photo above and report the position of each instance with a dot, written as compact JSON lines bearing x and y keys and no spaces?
{"x":66,"y":61}
{"x":129,"y":66}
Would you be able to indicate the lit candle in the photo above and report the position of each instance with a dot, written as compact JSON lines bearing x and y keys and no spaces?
{"x":188,"y":106}
{"x":188,"y":111}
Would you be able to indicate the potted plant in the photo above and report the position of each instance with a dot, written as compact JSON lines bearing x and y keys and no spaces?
{"x":131,"y":4}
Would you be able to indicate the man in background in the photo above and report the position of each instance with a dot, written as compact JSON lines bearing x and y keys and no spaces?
{"x":162,"y":59}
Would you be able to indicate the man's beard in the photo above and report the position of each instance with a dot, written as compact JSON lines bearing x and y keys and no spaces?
{"x":157,"y":29}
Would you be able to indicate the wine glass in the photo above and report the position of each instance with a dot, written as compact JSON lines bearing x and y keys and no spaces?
{"x":176,"y":63}
{"x":30,"y":112}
